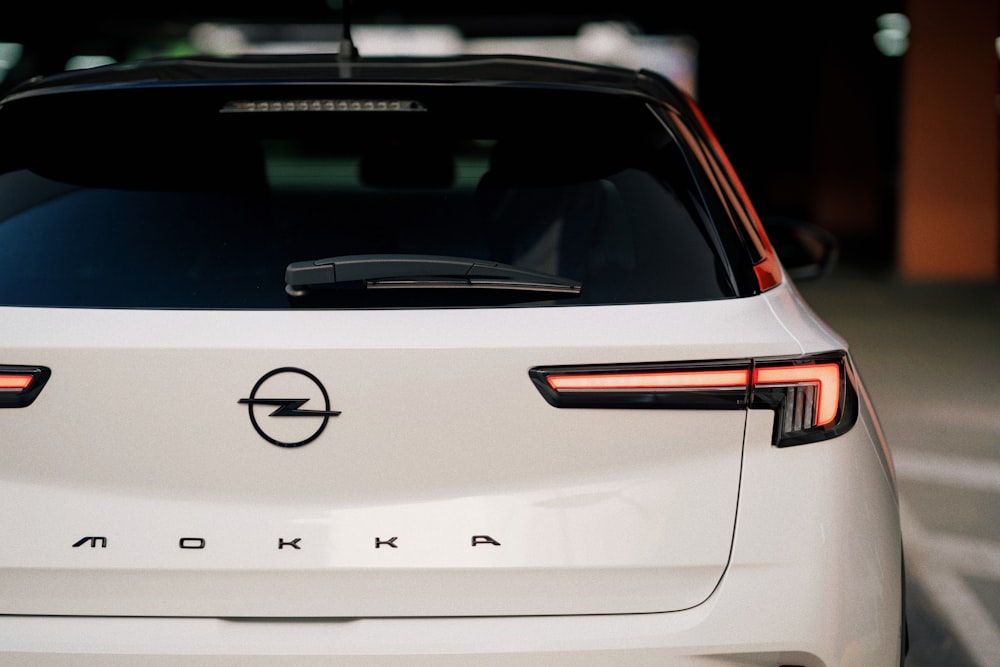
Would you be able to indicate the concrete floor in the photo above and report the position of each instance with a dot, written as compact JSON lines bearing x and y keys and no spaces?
{"x":930,"y":356}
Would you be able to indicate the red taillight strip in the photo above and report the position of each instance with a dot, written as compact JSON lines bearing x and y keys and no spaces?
{"x":15,"y":381}
{"x":826,"y":377}
{"x":651,"y":380}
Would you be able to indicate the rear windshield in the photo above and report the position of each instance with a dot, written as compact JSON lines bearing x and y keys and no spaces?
{"x":177,"y":213}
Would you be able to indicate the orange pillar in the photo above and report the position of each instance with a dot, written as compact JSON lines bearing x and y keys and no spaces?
{"x":948,"y":225}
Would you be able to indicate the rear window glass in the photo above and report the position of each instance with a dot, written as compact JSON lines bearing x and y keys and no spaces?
{"x":182,"y":217}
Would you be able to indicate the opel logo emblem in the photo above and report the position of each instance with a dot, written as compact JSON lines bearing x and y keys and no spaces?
{"x":276,"y":407}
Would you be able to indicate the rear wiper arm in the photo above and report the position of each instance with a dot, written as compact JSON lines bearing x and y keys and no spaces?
{"x":391,"y":271}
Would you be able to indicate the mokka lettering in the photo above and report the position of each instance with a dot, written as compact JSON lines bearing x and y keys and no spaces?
{"x":293,"y":543}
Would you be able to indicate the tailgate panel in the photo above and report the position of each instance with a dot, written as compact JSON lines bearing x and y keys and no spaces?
{"x":446,"y":485}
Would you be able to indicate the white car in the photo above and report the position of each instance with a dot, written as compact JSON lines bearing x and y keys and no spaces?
{"x":473,"y":360}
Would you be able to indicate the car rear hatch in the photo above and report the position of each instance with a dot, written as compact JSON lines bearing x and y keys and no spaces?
{"x":153,"y":474}
{"x":229,"y":429}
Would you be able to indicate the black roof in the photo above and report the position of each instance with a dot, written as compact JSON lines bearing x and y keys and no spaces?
{"x":283,"y":69}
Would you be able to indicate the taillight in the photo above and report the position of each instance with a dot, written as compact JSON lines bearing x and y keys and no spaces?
{"x":19,"y":385}
{"x":813,"y":397}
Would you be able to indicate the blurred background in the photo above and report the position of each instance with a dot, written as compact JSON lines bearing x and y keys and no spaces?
{"x":874,"y":119}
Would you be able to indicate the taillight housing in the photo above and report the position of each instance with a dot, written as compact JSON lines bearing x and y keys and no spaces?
{"x":19,"y":385}
{"x":813,"y":397}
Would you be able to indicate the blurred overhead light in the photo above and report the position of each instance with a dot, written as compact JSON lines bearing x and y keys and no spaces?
{"x":422,"y":40}
{"x":214,"y":39}
{"x":371,"y":40}
{"x":893,"y":35}
{"x":603,"y":41}
{"x":86,"y":62}
{"x":10,"y":54}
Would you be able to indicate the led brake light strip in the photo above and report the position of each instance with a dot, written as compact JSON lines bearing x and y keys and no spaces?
{"x":650,"y":380}
{"x":15,"y":381}
{"x":826,"y":378}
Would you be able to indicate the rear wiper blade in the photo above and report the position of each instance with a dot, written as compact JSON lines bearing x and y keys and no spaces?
{"x":391,"y":271}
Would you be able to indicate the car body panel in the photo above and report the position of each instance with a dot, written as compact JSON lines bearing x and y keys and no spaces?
{"x":179,"y":487}
{"x":783,"y":531}
{"x":210,"y":474}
